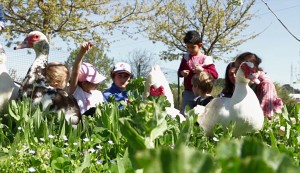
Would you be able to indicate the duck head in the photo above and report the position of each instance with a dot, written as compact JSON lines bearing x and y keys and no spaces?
{"x":36,"y":40}
{"x":250,"y":72}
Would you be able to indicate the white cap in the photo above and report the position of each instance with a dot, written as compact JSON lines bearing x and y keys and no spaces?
{"x":122,"y":67}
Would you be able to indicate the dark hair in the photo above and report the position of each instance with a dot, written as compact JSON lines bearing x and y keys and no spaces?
{"x":192,"y":37}
{"x":247,"y":56}
{"x":229,"y":86}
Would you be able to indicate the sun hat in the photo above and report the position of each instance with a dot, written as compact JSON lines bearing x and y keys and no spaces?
{"x":89,"y":73}
{"x":122,"y":67}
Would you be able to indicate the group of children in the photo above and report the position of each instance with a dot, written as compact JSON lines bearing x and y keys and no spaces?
{"x":199,"y":74}
{"x":83,"y":80}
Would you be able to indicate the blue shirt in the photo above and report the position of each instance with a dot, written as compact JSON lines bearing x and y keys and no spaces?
{"x":2,"y":20}
{"x":116,"y":92}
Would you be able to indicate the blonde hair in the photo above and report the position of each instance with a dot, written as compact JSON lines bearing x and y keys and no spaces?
{"x":57,"y":73}
{"x":204,"y":81}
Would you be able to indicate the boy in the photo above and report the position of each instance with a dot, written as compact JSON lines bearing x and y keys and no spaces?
{"x":120,"y":75}
{"x":202,"y":87}
{"x":193,"y":62}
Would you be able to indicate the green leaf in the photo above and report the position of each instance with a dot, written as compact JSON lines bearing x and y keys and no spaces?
{"x":61,"y":163}
{"x":158,"y":131}
{"x":133,"y":138}
{"x":86,"y":163}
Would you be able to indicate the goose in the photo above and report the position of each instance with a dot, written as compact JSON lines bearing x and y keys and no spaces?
{"x":157,"y":85}
{"x":8,"y":88}
{"x":242,"y":108}
{"x":36,"y":87}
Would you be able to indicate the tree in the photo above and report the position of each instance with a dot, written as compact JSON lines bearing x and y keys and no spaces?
{"x":72,"y":20}
{"x":141,"y":62}
{"x":220,"y":24}
{"x":96,"y":57}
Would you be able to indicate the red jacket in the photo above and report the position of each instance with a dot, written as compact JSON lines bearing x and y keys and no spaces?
{"x":189,"y":61}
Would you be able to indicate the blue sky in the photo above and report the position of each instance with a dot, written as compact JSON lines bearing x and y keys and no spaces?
{"x":277,"y":48}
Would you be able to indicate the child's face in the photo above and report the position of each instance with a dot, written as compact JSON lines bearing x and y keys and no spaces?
{"x":193,"y":49}
{"x":196,"y":90}
{"x":88,"y":86}
{"x":60,"y":82}
{"x":121,"y":80}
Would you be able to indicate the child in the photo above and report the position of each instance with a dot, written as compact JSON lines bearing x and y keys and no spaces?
{"x":121,"y":74}
{"x":232,"y":68}
{"x":267,"y":95}
{"x":2,"y":20}
{"x":191,"y":63}
{"x":84,"y":81}
{"x":229,"y":81}
{"x":58,"y":75}
{"x":202,"y":87}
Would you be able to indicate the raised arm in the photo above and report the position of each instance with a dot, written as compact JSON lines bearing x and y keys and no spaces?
{"x":85,"y":47}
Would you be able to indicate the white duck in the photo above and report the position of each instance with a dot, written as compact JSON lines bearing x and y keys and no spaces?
{"x":242,"y":108}
{"x":36,"y":86}
{"x":157,"y":85}
{"x":8,"y":88}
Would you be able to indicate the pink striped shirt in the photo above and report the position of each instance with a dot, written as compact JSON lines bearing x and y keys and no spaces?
{"x":267,"y":96}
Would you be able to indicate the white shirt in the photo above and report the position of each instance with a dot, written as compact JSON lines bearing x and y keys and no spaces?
{"x":86,"y":100}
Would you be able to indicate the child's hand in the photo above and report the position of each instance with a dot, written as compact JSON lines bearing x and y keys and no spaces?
{"x":85,"y":47}
{"x":198,"y":69}
{"x":185,"y":73}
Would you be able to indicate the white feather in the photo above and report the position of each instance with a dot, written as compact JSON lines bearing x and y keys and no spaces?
{"x":242,"y":108}
{"x":157,"y":78}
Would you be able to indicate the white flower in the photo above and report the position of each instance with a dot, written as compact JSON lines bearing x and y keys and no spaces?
{"x":99,"y":162}
{"x":91,"y":150}
{"x":51,"y":136}
{"x":99,"y":147}
{"x":113,"y":162}
{"x":42,"y":139}
{"x":215,"y":139}
{"x":111,"y":142}
{"x":66,"y":144}
{"x":75,"y":143}
{"x":19,"y":128}
{"x":65,"y":138}
{"x":31,"y":152}
{"x":31,"y":169}
{"x":86,"y":139}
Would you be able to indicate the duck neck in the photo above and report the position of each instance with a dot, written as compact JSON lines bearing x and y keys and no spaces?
{"x":36,"y":73}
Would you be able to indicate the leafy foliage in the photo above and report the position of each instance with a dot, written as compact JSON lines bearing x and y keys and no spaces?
{"x":141,"y":137}
{"x":218,"y":22}
{"x":72,"y":20}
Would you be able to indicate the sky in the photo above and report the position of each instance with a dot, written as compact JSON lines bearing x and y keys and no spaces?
{"x":279,"y":51}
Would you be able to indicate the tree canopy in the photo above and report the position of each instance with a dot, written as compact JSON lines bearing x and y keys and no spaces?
{"x":141,"y":62}
{"x":71,"y":20}
{"x":220,"y":24}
